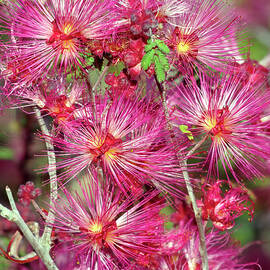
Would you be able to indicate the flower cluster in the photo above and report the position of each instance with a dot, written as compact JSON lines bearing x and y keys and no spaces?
{"x":223,"y":210}
{"x":141,"y":103}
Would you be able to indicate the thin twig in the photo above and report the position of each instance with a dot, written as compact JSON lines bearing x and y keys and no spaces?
{"x":93,"y":89}
{"x":14,"y":215}
{"x":93,"y":96}
{"x":46,"y":237}
{"x":197,"y":212}
{"x":164,"y":105}
{"x":101,"y":76}
{"x":37,"y":208}
{"x":183,"y":164}
{"x":7,"y":214}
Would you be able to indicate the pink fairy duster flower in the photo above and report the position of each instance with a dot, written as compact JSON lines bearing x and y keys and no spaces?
{"x":51,"y":35}
{"x":222,"y":255}
{"x":107,"y":228}
{"x":171,"y":9}
{"x":53,"y":97}
{"x":128,"y":139}
{"x":198,"y":37}
{"x":224,"y":209}
{"x":181,"y":250}
{"x":229,"y":112}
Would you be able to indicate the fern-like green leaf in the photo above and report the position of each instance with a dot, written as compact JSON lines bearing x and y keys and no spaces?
{"x":162,"y":46}
{"x":150,"y":45}
{"x":163,"y":60}
{"x":160,"y":72}
{"x":147,"y":59}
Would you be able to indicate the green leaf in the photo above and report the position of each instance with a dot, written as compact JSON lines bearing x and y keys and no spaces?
{"x":162,"y":46}
{"x":163,"y":60}
{"x":116,"y":69}
{"x":89,"y":61}
{"x":185,"y":130}
{"x":160,"y":72}
{"x":87,"y":57}
{"x":168,"y":225}
{"x":147,"y":59}
{"x":150,"y":45}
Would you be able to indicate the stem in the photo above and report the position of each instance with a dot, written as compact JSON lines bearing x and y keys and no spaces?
{"x":164,"y":105}
{"x":197,"y":212}
{"x":101,"y":76}
{"x":7,"y":214}
{"x":93,"y":89}
{"x":93,"y":97}
{"x":14,"y":215}
{"x":46,"y":237}
{"x":183,"y":164}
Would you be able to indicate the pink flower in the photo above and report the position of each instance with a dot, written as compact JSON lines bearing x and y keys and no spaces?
{"x":222,"y":255}
{"x":223,"y":210}
{"x":182,"y":250}
{"x":128,"y":139}
{"x":107,"y":229}
{"x":253,"y":72}
{"x":229,"y":112}
{"x":54,"y":97}
{"x":52,"y":35}
{"x":171,"y":9}
{"x":205,"y":36}
{"x":27,"y":193}
{"x":121,"y":85}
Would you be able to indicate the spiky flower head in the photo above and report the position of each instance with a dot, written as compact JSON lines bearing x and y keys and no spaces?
{"x":222,"y":254}
{"x":108,"y":229}
{"x":51,"y":35}
{"x":128,"y":139}
{"x":53,"y":97}
{"x":182,"y":249}
{"x":205,"y":36}
{"x":229,"y":112}
{"x":169,"y":10}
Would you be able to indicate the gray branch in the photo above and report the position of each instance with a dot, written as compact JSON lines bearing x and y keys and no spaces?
{"x":13,"y":215}
{"x":46,"y":237}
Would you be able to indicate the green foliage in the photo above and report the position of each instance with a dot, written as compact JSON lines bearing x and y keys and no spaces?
{"x":116,"y":69}
{"x":162,"y":46}
{"x":88,"y":59}
{"x":167,"y":211}
{"x":4,"y":263}
{"x":245,"y":233}
{"x":163,"y":60}
{"x":249,"y":41}
{"x":155,"y":53}
{"x":6,"y":153}
{"x":160,"y":71}
{"x":147,"y":59}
